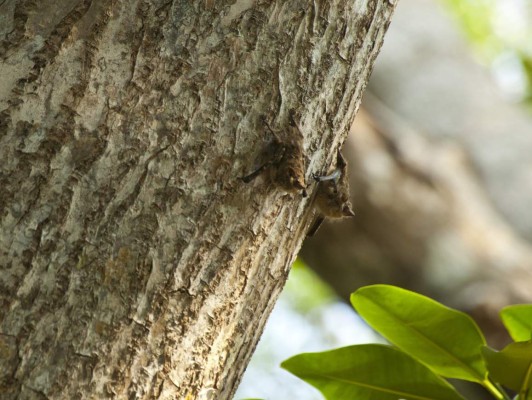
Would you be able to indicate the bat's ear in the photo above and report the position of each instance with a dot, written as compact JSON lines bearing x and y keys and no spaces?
{"x":347,"y":212}
{"x":340,"y":160}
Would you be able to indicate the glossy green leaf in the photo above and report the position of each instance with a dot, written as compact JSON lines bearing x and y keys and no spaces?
{"x":369,"y":371}
{"x":518,"y":321}
{"x":511,"y":366}
{"x":446,"y":340}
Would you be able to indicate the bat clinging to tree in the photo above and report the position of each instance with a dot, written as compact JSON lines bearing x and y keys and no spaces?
{"x":285,"y":164}
{"x":332,"y":197}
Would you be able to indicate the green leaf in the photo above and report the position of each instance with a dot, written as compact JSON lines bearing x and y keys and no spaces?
{"x":518,"y":321}
{"x":511,"y":366}
{"x":446,"y":340}
{"x":369,"y":371}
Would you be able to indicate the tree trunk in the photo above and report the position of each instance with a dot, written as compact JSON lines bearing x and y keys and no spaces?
{"x":135,"y":262}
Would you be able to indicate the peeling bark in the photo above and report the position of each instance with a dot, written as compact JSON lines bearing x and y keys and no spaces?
{"x":134,"y":261}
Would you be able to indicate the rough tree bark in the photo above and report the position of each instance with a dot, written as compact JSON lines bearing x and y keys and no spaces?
{"x":134,"y":261}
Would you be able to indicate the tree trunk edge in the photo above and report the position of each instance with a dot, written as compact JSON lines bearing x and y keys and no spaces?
{"x":122,"y":239}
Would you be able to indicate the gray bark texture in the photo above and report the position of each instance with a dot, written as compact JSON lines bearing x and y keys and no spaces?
{"x":134,"y":261}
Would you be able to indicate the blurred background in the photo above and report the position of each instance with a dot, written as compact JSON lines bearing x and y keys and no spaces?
{"x":440,"y":162}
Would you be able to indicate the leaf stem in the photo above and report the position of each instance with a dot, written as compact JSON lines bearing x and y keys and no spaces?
{"x":496,"y":390}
